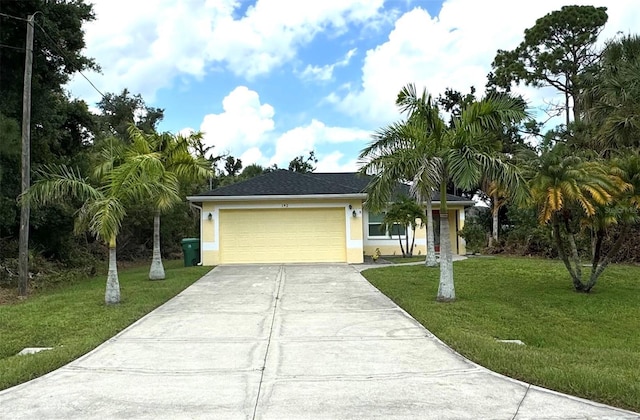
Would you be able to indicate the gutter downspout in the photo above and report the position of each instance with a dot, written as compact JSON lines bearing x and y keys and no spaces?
{"x":199,"y":208}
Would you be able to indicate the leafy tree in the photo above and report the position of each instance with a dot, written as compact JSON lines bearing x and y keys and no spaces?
{"x":118,"y":112}
{"x":554,"y":52}
{"x":60,"y":127}
{"x":9,"y":152}
{"x":461,"y":152}
{"x":302,"y":164}
{"x":58,"y":45}
{"x":251,"y":171}
{"x":232,"y":166}
{"x":403,"y":213}
{"x":474,"y":235}
{"x":453,"y":101}
{"x":104,"y":198}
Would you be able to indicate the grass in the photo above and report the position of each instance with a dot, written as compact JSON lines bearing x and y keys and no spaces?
{"x":73,"y":319}
{"x":586,"y":345}
{"x":400,"y":260}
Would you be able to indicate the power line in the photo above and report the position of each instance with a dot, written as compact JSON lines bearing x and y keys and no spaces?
{"x":54,"y":44}
{"x":12,"y":47}
{"x":12,"y":17}
{"x":16,"y":18}
{"x":63,"y":53}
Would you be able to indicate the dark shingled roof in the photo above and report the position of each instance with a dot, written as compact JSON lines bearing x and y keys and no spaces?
{"x":284,"y":182}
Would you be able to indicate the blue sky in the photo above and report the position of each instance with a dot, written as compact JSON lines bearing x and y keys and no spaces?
{"x":267,"y":80}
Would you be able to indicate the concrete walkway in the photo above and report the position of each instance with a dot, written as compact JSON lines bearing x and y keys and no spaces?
{"x":283,"y":342}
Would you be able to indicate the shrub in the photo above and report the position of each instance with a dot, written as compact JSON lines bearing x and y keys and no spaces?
{"x":474,"y":234}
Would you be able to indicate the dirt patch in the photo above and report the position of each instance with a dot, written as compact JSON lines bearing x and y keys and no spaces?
{"x":8,"y":296}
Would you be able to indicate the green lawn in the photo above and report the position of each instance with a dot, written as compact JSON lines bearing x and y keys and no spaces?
{"x":74,"y":319}
{"x":581,"y":344}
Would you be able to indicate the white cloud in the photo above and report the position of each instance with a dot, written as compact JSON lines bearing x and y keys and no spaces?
{"x":454,"y":49}
{"x":245,"y":123}
{"x":253,"y":155}
{"x":325,"y":73}
{"x":319,"y":73}
{"x":146,"y":51}
{"x":301,"y":140}
{"x":246,"y":129}
{"x":331,"y":163}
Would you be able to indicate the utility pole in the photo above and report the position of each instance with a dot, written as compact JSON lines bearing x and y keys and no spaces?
{"x":25,"y":209}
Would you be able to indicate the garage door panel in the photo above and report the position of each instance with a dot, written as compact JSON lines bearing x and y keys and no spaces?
{"x":282,"y":235}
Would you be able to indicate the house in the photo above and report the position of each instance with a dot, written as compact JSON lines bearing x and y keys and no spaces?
{"x":289,"y":217}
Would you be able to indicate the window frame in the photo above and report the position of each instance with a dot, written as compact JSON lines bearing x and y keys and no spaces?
{"x":387,"y":234}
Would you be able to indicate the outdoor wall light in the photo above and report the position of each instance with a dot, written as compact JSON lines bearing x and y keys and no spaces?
{"x":210,"y":217}
{"x":350,"y":206}
{"x":354,"y":214}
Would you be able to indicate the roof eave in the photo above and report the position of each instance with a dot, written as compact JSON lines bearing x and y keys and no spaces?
{"x":204,"y":198}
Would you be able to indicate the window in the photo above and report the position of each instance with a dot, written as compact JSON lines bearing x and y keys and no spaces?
{"x":376,"y":229}
{"x":375,"y":224}
{"x":398,"y":229}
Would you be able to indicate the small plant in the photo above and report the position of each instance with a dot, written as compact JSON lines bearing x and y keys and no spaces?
{"x":376,"y":255}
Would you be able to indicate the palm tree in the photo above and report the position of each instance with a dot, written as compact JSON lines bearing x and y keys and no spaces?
{"x":611,"y":98}
{"x":179,"y":166}
{"x":104,"y":198}
{"x":571,"y":191}
{"x":402,"y":152}
{"x":462,"y":153}
{"x":403,"y":213}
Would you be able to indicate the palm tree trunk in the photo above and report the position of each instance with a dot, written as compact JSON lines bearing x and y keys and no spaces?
{"x":495,"y":211}
{"x":112,"y":293}
{"x":400,"y":242}
{"x":598,"y":267}
{"x":156,"y":272}
{"x":446,"y":289}
{"x":574,"y":255}
{"x":577,"y":283}
{"x":430,"y":261}
{"x":406,"y":242}
{"x":413,"y":240}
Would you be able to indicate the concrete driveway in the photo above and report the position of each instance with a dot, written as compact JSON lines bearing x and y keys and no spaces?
{"x":283,"y":342}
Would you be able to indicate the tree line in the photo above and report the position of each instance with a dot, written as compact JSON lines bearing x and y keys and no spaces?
{"x":90,"y":170}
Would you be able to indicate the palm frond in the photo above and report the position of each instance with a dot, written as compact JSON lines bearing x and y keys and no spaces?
{"x":107,"y":214}
{"x":56,"y":183}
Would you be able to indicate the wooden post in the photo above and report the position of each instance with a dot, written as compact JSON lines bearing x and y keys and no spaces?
{"x":25,"y":209}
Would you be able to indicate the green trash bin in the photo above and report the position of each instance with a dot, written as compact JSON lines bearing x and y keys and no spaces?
{"x":191,"y":251}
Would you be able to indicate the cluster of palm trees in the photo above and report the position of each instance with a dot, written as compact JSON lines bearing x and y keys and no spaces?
{"x":148,"y":169}
{"x":430,"y":153}
{"x":584,"y":180}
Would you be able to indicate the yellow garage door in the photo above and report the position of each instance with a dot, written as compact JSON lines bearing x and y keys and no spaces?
{"x":283,"y":235}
